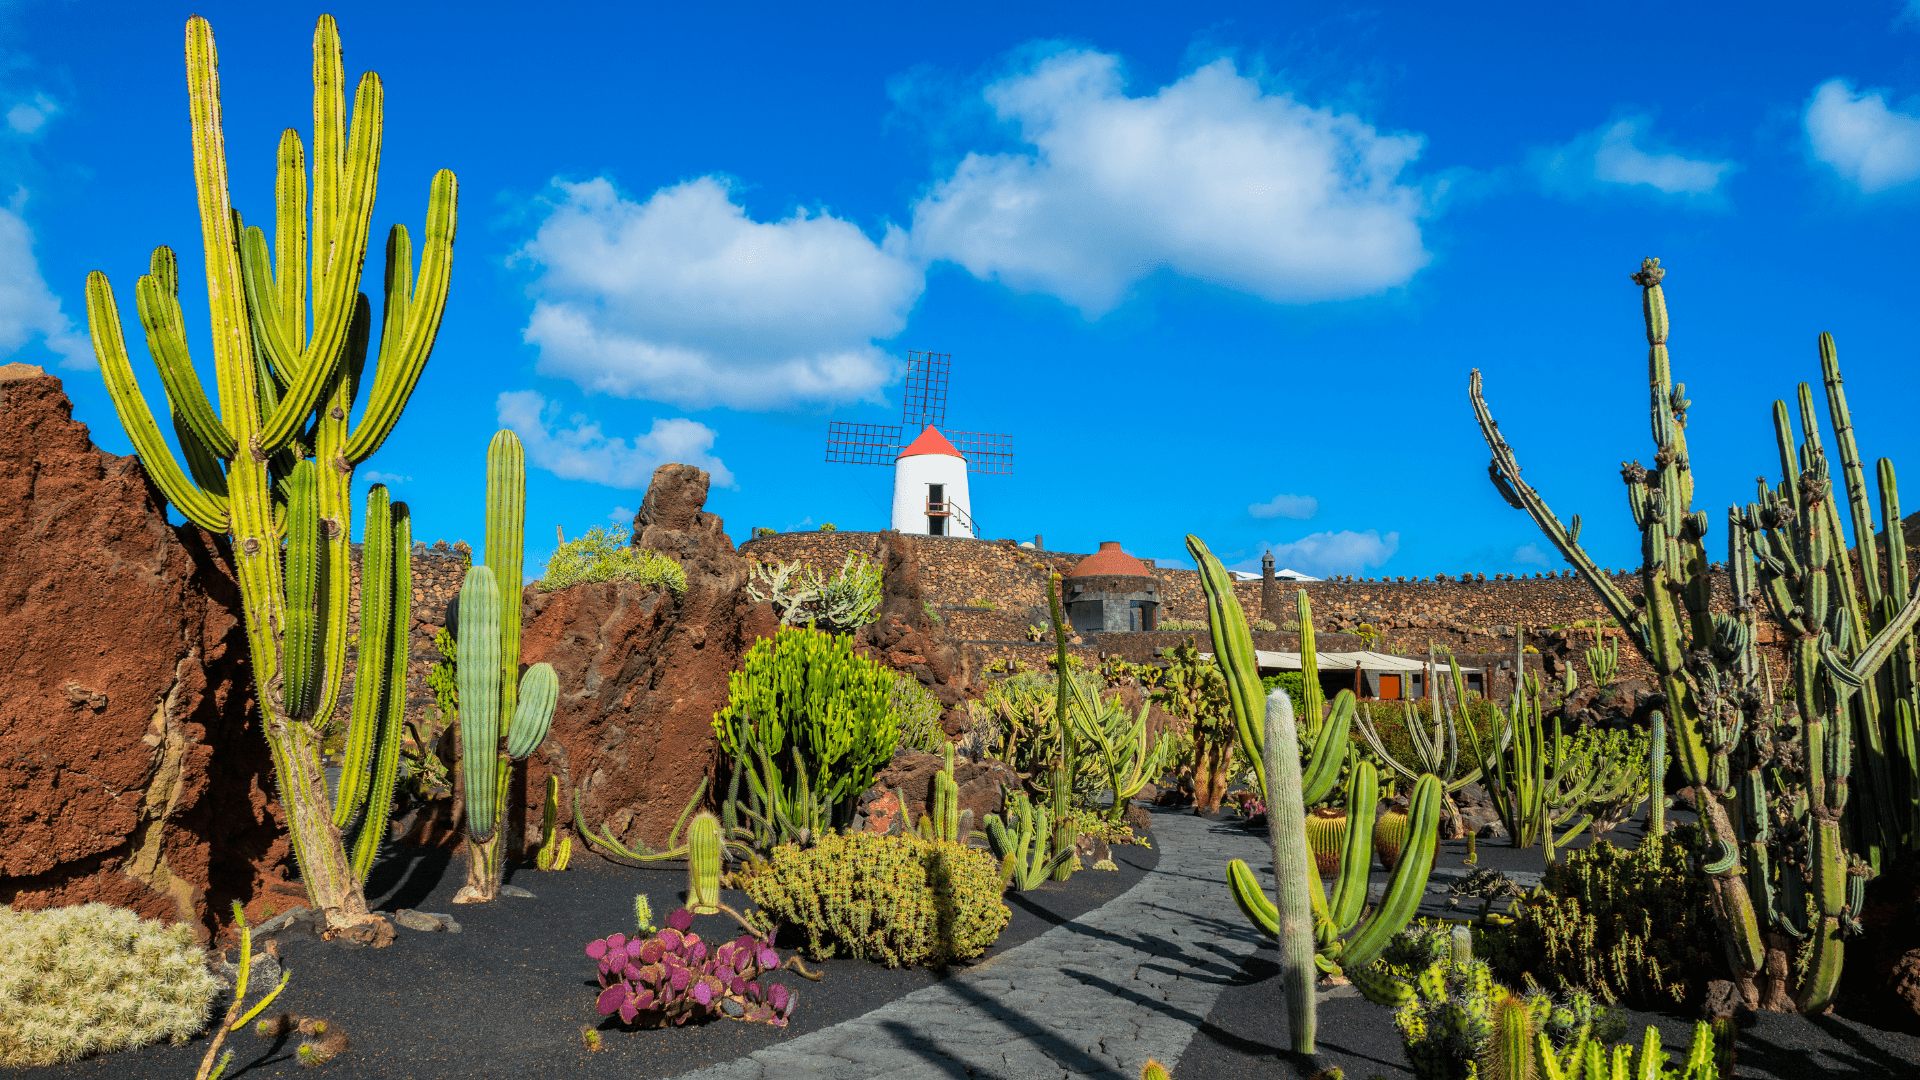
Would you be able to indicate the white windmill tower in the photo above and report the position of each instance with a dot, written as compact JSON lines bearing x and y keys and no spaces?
{"x":930,"y":492}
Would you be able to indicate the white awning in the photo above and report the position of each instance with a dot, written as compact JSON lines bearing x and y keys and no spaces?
{"x":1344,"y":661}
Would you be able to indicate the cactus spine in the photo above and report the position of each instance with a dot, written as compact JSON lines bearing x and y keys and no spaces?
{"x":504,"y":716}
{"x":703,"y":864}
{"x":273,"y":467}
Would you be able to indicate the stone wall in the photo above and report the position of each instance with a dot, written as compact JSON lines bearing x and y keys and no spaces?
{"x":1467,"y":617}
{"x":437,"y":572}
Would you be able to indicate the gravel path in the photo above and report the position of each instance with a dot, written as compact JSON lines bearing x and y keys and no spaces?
{"x":1094,"y":997}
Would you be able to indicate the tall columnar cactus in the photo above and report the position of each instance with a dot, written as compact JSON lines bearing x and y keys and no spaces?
{"x":273,"y":467}
{"x":1064,"y":767}
{"x":1294,"y":876}
{"x":1754,"y":770}
{"x":504,"y":715}
{"x":703,"y":864}
{"x":1657,"y":775}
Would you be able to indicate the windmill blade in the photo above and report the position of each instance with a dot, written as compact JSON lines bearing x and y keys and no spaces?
{"x":987,"y":455}
{"x":924,"y":402}
{"x":862,"y":444}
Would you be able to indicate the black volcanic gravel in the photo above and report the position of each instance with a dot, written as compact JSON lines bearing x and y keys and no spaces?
{"x":508,"y":996}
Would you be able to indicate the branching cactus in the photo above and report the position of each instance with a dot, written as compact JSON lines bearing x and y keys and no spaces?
{"x":1773,"y":787}
{"x":1118,"y":739}
{"x":1332,"y":921}
{"x":947,"y":821}
{"x":1022,"y":843}
{"x":273,"y":466}
{"x":1435,"y":751}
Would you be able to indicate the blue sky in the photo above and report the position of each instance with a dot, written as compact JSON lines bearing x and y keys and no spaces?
{"x":1216,"y":268}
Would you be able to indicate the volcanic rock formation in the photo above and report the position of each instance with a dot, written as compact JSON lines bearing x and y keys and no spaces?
{"x":131,"y":761}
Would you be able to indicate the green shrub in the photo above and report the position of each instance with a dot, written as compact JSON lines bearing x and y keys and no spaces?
{"x":604,"y":555}
{"x":919,"y":715}
{"x":828,"y":527}
{"x":84,"y":980}
{"x":807,"y":703}
{"x":900,"y":900}
{"x":1188,"y":625}
{"x":1633,"y":927}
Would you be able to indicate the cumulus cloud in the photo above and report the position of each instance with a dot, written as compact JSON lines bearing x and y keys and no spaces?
{"x":1211,"y":177}
{"x":1614,"y":154}
{"x":685,"y":299}
{"x":1871,"y":146}
{"x":375,"y":476}
{"x":28,"y":309}
{"x":620,"y":513}
{"x":1344,"y":552}
{"x":583,"y":452}
{"x":1298,"y":507}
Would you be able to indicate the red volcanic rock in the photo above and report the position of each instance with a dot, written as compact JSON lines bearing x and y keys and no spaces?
{"x":642,"y":671}
{"x":132,"y":768}
{"x":910,"y":774}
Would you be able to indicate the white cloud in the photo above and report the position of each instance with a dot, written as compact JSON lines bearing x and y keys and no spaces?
{"x":685,"y":299}
{"x":1530,"y":555}
{"x":1211,"y":177}
{"x":1612,"y":154}
{"x":1326,"y":553}
{"x":28,"y":309}
{"x":1298,"y":507}
{"x":583,"y":452}
{"x":1870,"y":145}
{"x":375,"y":476}
{"x":620,"y":513}
{"x":27,"y":117}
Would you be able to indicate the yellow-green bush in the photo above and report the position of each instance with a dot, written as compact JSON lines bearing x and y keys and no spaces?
{"x":82,"y":980}
{"x":896,"y":899}
{"x":603,"y":555}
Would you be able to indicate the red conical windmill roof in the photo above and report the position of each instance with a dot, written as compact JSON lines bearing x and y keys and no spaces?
{"x":931,"y":442}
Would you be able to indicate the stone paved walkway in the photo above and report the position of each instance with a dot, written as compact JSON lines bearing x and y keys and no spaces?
{"x":1094,"y":997}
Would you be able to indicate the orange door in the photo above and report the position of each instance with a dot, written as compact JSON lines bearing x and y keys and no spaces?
{"x":1389,"y":687}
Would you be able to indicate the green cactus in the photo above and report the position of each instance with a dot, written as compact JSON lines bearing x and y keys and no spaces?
{"x":1064,"y":766}
{"x":1509,"y":1053}
{"x":1540,"y":778}
{"x":555,"y":850}
{"x":1436,"y":751}
{"x":947,"y":821}
{"x":1331,"y":921}
{"x":273,"y":467}
{"x":1657,"y":775}
{"x":504,"y":715}
{"x":1773,"y":837}
{"x":1021,"y":842}
{"x":380,"y":688}
{"x":703,"y":864}
{"x":1117,"y":739}
{"x":808,"y":722}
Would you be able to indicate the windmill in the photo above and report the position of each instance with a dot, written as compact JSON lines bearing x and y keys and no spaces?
{"x":930,"y":496}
